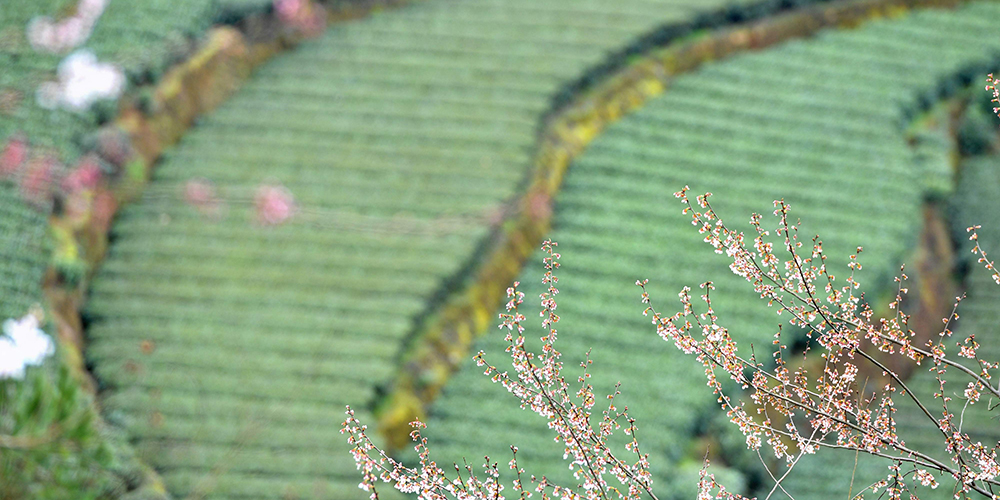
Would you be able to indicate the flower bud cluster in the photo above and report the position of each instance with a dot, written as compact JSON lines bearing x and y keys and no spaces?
{"x":797,"y":410}
{"x":539,"y":384}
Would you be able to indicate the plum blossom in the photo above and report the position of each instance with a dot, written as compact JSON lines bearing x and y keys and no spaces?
{"x":991,"y":85}
{"x":46,"y":34}
{"x":37,"y":180}
{"x":302,"y":15}
{"x":538,"y":382}
{"x":86,"y":175}
{"x":23,"y":344}
{"x":274,"y":204}
{"x":82,"y":81}
{"x":288,"y":9}
{"x":201,"y":194}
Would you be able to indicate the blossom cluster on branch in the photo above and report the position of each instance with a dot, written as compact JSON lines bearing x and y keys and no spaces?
{"x":540,"y":385}
{"x":793,"y":409}
{"x":796,"y":412}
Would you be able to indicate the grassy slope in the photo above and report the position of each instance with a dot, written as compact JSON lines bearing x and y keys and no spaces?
{"x":813,"y":121}
{"x":400,"y":136}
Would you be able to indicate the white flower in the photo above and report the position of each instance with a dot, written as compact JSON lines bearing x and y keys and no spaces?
{"x":11,"y":365}
{"x":90,"y":10}
{"x":82,"y":80}
{"x":23,"y":344}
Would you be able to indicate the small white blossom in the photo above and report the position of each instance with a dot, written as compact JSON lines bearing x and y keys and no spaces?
{"x":82,"y":81}
{"x":11,"y":365}
{"x":23,"y":344}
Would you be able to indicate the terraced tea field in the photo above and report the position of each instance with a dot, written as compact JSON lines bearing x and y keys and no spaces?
{"x":22,"y":237}
{"x":228,"y":349}
{"x":142,"y":38}
{"x":816,"y":122}
{"x":22,"y":253}
{"x":139,"y":37}
{"x":24,"y":70}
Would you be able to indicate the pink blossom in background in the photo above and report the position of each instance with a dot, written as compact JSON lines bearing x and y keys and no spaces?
{"x":274,"y":204}
{"x":200,"y":194}
{"x":75,"y":186}
{"x":13,"y":155}
{"x":86,"y":175}
{"x":37,"y":181}
{"x":301,"y":15}
{"x":288,"y":9}
{"x":91,"y":9}
{"x":46,"y":34}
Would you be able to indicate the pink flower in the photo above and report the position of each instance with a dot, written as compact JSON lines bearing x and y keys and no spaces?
{"x":288,"y":10}
{"x":200,"y":194}
{"x":46,"y":34}
{"x":91,"y":9}
{"x":274,"y":204}
{"x":37,"y":181}
{"x":301,"y":15}
{"x":86,"y":175}
{"x":13,"y":155}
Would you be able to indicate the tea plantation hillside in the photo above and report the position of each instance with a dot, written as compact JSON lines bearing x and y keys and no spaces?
{"x":225,"y":339}
{"x":22,"y":249}
{"x":817,"y":122}
{"x":228,"y":349}
{"x":142,"y":38}
{"x":80,"y":461}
